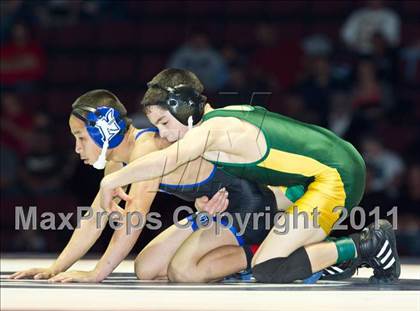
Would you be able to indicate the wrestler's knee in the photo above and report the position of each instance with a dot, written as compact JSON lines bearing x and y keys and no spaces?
{"x":183,"y":271}
{"x":143,"y":270}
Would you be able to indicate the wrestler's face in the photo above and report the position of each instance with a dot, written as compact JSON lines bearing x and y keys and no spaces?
{"x":169,"y":127}
{"x":85,"y":147}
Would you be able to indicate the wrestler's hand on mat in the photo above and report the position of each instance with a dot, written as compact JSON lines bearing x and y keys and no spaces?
{"x":36,"y":273}
{"x":217,"y":204}
{"x":75,"y":276}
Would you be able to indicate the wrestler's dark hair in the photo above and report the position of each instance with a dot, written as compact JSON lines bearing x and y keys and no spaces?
{"x":170,"y":77}
{"x":100,"y":98}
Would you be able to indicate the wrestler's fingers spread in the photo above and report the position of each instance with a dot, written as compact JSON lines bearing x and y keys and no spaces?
{"x":22,"y":274}
{"x":42,"y":275}
{"x":14,"y":275}
{"x":56,"y":278}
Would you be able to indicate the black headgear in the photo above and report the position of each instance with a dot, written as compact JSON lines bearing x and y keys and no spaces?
{"x":183,"y":102}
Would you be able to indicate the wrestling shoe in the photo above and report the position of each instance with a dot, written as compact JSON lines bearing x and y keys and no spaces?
{"x":376,"y":248}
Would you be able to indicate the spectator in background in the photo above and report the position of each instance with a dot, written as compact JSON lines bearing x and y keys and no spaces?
{"x":293,"y":106}
{"x":367,"y":91}
{"x":9,"y":10}
{"x":276,"y":61}
{"x":44,"y":169}
{"x":364,"y":23}
{"x":198,"y":56}
{"x":58,"y":13}
{"x":16,"y":124}
{"x":365,"y":119}
{"x":411,"y":58}
{"x":22,"y":60}
{"x":319,"y":80}
{"x":385,"y":58}
{"x":233,"y":57}
{"x":373,"y":196}
{"x":317,"y":45}
{"x":237,"y":89}
{"x":241,"y":87}
{"x":12,"y":11}
{"x":9,"y":172}
{"x":43,"y":121}
{"x":387,"y":167}
{"x":341,"y":113}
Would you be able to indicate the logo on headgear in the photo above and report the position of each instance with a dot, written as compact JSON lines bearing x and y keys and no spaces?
{"x":108,"y":126}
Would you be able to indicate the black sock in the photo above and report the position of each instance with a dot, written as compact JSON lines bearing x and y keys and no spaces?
{"x":284,"y":270}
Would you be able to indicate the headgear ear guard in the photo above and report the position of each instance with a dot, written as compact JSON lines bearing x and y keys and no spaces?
{"x":105,"y":126}
{"x":183,"y":102}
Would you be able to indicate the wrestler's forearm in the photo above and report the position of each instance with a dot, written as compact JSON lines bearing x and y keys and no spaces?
{"x":82,"y":239}
{"x":80,"y":242}
{"x":120,"y":245}
{"x":131,"y":226}
{"x":149,"y":167}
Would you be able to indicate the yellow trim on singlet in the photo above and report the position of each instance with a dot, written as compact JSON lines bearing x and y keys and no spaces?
{"x":326,"y":192}
{"x":325,"y":176}
{"x":292,"y":163}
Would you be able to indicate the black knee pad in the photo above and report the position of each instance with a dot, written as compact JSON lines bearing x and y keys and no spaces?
{"x":284,"y":270}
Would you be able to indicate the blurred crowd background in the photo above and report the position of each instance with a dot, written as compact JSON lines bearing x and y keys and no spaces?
{"x":350,"y":66}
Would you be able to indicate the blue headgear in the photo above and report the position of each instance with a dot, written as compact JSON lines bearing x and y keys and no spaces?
{"x":105,"y":125}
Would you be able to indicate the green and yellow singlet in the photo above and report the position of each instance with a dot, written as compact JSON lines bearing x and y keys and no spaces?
{"x":330,"y":169}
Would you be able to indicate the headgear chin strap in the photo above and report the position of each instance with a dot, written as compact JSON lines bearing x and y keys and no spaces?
{"x":105,"y":126}
{"x":183,"y":102}
{"x":101,"y":161}
{"x":190,"y":122}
